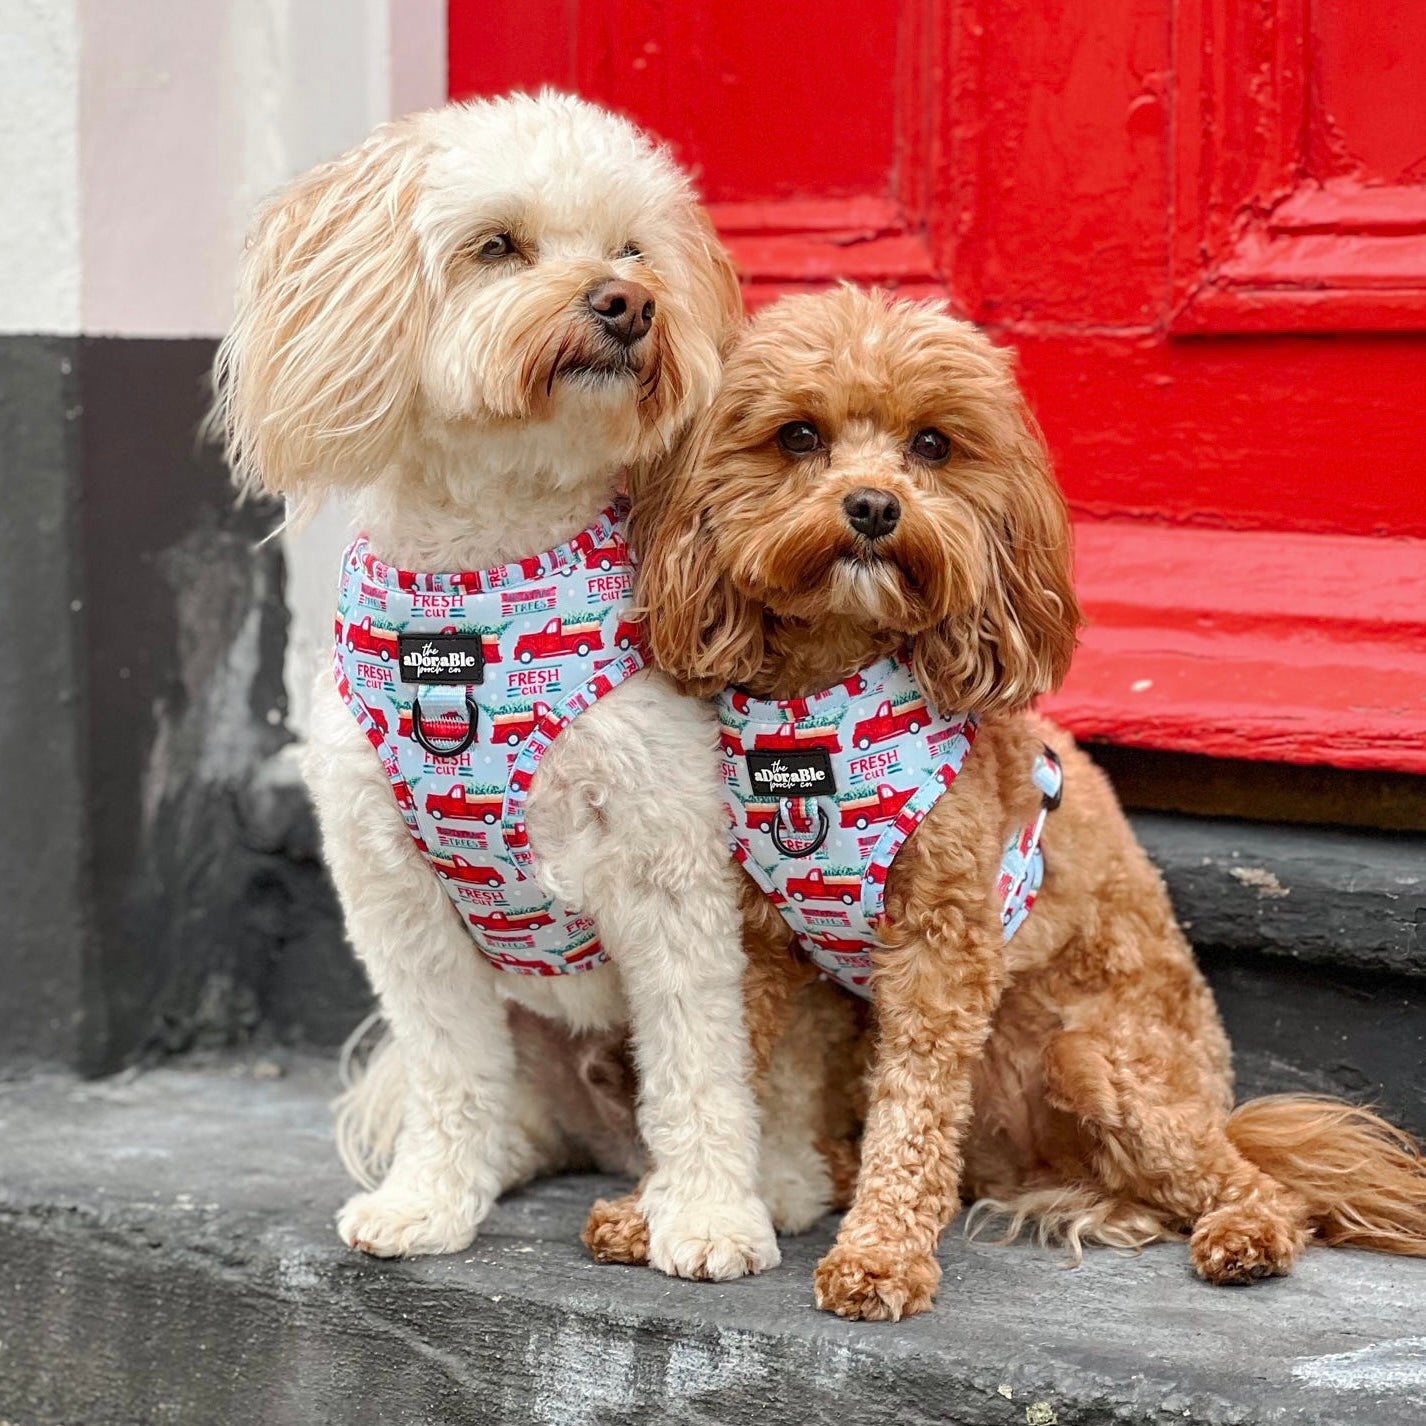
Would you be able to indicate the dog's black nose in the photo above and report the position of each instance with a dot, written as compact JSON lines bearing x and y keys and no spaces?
{"x":872,"y":513}
{"x":625,"y":309}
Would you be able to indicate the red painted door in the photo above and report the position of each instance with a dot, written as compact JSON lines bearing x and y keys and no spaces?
{"x":1202,"y":223}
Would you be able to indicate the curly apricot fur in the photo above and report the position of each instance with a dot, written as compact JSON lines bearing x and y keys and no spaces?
{"x":1078,"y":1075}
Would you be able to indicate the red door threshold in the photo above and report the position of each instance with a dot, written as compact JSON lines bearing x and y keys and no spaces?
{"x":1248,"y":644}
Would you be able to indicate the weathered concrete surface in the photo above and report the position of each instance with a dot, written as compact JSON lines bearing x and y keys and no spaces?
{"x":167,"y":1255}
{"x":1302,"y":1028}
{"x":1318,"y":895}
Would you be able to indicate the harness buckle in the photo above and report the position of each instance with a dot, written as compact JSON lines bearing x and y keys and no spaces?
{"x":454,"y":750}
{"x":1049,"y":778}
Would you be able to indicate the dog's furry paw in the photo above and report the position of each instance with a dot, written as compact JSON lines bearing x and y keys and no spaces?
{"x":391,"y":1223}
{"x":1241,"y":1242}
{"x":713,"y":1241}
{"x":875,"y":1284}
{"x":616,"y":1231}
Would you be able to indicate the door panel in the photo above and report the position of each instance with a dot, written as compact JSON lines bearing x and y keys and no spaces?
{"x":1202,"y":225}
{"x":1302,"y":178}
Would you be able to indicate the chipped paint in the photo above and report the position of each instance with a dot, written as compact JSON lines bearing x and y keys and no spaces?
{"x":696,"y":1369}
{"x":1398,"y":1365}
{"x":580,"y":1373}
{"x":1264,"y":882}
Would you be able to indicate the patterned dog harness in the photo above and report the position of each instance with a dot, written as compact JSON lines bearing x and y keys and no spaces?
{"x":462,"y":682}
{"x":824,"y":791}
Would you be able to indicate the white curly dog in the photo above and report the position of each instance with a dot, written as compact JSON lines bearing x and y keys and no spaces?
{"x":415,"y":329}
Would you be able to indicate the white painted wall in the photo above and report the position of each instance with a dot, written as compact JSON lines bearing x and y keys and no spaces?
{"x":136,"y":136}
{"x":191,"y":113}
{"x":39,"y":166}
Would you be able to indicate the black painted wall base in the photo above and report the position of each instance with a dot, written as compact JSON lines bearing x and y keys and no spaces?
{"x":45,"y":925}
{"x":141,"y":639}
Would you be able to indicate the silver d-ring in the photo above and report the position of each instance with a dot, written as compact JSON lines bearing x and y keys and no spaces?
{"x":823,"y":827}
{"x":455,"y":749}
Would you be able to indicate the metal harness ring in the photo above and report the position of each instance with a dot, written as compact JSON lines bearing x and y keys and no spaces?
{"x":456,"y":749}
{"x":823,"y":827}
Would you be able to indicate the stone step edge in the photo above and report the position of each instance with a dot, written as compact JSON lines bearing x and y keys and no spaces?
{"x":1323,"y":896}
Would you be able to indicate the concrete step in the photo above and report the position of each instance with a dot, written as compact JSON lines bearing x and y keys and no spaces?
{"x":167,"y":1255}
{"x":1321,"y":896}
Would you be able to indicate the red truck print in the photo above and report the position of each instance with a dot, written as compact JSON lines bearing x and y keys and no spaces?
{"x":887,"y":722}
{"x":760,"y":815}
{"x":455,"y":868}
{"x":838,"y":945}
{"x":405,"y":798}
{"x":730,"y":741}
{"x":845,"y":887}
{"x":514,"y":725}
{"x":582,"y":951}
{"x":470,"y":582}
{"x":629,"y":634}
{"x":605,"y":557}
{"x":558,"y":638}
{"x":799,"y":707}
{"x":510,"y":920}
{"x":461,"y":806}
{"x":504,"y":958}
{"x":363,"y":639}
{"x":880,"y":804}
{"x":792,"y":736}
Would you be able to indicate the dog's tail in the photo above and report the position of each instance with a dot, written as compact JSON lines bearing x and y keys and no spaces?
{"x":1363,"y":1178}
{"x":1073,"y":1215}
{"x":369,"y":1109}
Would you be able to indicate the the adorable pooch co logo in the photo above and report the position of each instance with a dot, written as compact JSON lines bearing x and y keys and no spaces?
{"x":442,"y":658}
{"x":791,"y":773}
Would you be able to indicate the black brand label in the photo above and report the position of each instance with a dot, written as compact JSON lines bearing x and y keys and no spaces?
{"x":441,"y":658}
{"x":801,"y":773}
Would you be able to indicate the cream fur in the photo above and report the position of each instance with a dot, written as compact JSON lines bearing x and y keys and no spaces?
{"x":374,"y":350}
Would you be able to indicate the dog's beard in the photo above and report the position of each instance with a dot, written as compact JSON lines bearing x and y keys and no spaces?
{"x":575,"y":353}
{"x":869,"y":590}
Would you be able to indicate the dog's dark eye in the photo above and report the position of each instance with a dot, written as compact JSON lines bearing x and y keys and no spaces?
{"x":493,"y":248}
{"x":799,"y":438}
{"x":631,"y":250}
{"x":931,"y":446}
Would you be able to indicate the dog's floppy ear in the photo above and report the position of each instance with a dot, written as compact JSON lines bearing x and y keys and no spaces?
{"x":702,"y":315}
{"x":1017,"y":641}
{"x":701,"y":630}
{"x":322,"y":362}
{"x":723,"y":290}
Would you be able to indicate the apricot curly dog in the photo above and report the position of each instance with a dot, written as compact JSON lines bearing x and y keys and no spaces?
{"x":867,"y":513}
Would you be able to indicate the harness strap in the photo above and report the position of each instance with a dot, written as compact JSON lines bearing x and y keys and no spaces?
{"x":550,"y":726}
{"x":907,"y":820}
